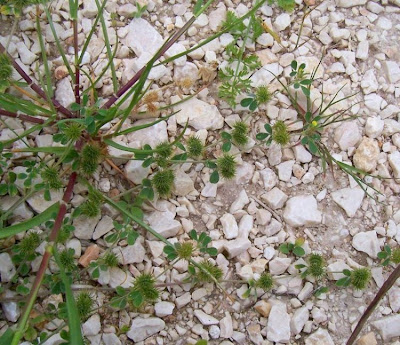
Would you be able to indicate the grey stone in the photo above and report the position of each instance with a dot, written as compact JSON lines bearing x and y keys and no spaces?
{"x":142,"y":328}
{"x":302,"y":210}
{"x":92,"y":326}
{"x":349,"y":199}
{"x":205,"y":319}
{"x":367,"y":242}
{"x":164,"y":308}
{"x":299,"y":319}
{"x":7,"y":268}
{"x":320,"y":337}
{"x":278,"y":326}
{"x":388,"y":327}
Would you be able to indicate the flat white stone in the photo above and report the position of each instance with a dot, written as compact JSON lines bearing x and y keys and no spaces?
{"x":299,"y":319}
{"x":135,"y":172}
{"x":240,"y":202}
{"x":349,"y":199}
{"x":302,"y":210}
{"x":367,"y":242}
{"x":351,"y":3}
{"x":275,"y":198}
{"x":279,"y":265}
{"x":92,"y":326}
{"x":285,"y":170}
{"x":103,"y":227}
{"x":226,"y":326}
{"x":152,"y":135}
{"x":392,"y":71}
{"x":64,"y":93}
{"x":142,"y":328}
{"x":282,"y":22}
{"x":7,"y":268}
{"x":229,"y":226}
{"x":337,"y":266}
{"x":183,"y":300}
{"x":347,"y":135}
{"x":369,"y":83}
{"x":84,"y":227}
{"x":301,"y":154}
{"x":388,"y":327}
{"x":142,"y":37}
{"x":366,"y":155}
{"x":320,"y":337}
{"x":237,"y":246}
{"x":133,"y":254}
{"x":269,"y":178}
{"x":164,"y":308}
{"x":374,"y":126}
{"x":205,"y":319}
{"x":278,"y":326}
{"x":394,"y":161}
{"x":111,"y":339}
{"x":183,"y":184}
{"x":200,"y":115}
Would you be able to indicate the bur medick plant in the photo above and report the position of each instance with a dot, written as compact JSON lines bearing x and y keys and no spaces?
{"x":84,"y":132}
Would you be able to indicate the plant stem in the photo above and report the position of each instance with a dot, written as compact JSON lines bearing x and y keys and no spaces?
{"x":34,"y":86}
{"x":45,"y":261}
{"x":21,"y":116}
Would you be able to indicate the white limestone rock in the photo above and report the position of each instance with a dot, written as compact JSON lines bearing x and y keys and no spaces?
{"x":282,"y":22}
{"x":301,"y":154}
{"x":337,"y":266}
{"x":165,"y":226}
{"x":142,"y":328}
{"x":369,"y":84}
{"x":347,"y":135}
{"x":275,"y":198}
{"x":394,"y":161}
{"x":388,"y":327}
{"x":237,"y":246}
{"x":84,"y":227}
{"x":366,"y":155}
{"x":205,"y":319}
{"x":11,"y":309}
{"x":90,"y":9}
{"x":265,"y":75}
{"x":104,"y":226}
{"x":111,"y":339}
{"x":285,"y":170}
{"x":299,"y":319}
{"x":229,"y":226}
{"x":367,"y":242}
{"x":183,"y":184}
{"x":347,"y":4}
{"x":118,"y":277}
{"x":152,"y":135}
{"x":392,"y":71}
{"x":278,"y":326}
{"x":133,"y":253}
{"x":362,"y":50}
{"x":374,"y":127}
{"x":142,"y":37}
{"x":64,"y":93}
{"x":373,"y":102}
{"x":349,"y":199}
{"x":279,"y":265}
{"x":240,"y":202}
{"x":226,"y":326}
{"x":135,"y":172}
{"x":7,"y":268}
{"x":394,"y":298}
{"x":320,"y":337}
{"x":269,"y":178}
{"x":183,"y":300}
{"x":302,"y":210}
{"x":200,"y":114}
{"x":164,"y":308}
{"x":92,"y":326}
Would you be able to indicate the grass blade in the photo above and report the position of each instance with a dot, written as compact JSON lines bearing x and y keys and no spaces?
{"x":30,"y":223}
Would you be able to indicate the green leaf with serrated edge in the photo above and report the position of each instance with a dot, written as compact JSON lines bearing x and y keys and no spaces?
{"x":31,"y":223}
{"x":298,"y":251}
{"x":214,"y":177}
{"x":261,"y":136}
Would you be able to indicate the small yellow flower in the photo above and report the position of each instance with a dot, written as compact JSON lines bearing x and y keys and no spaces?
{"x":314,"y":123}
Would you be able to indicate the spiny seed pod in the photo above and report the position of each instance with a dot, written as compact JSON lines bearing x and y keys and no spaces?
{"x":396,"y":256}
{"x":91,"y":155}
{"x":5,"y":67}
{"x":29,"y":243}
{"x":50,"y":176}
{"x":110,"y":259}
{"x":265,"y":282}
{"x":162,"y":182}
{"x":73,"y":131}
{"x":263,"y":95}
{"x":164,"y":149}
{"x":239,"y":133}
{"x":227,"y":166}
{"x":145,"y":285}
{"x":360,"y":278}
{"x":184,"y":250}
{"x":84,"y":304}
{"x":280,"y":133}
{"x":211,"y":270}
{"x":316,"y":265}
{"x":90,"y":208}
{"x":195,"y":147}
{"x":67,"y":259}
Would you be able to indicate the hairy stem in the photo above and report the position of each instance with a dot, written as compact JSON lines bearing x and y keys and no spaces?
{"x":21,"y":116}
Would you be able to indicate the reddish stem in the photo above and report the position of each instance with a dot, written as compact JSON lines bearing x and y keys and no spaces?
{"x":137,"y":76}
{"x":21,"y":116}
{"x":34,"y":86}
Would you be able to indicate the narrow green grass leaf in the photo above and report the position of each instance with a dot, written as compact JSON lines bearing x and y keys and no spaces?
{"x":74,"y":322}
{"x":29,"y":224}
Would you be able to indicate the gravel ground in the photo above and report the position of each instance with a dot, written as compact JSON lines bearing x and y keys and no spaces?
{"x":279,"y":194}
